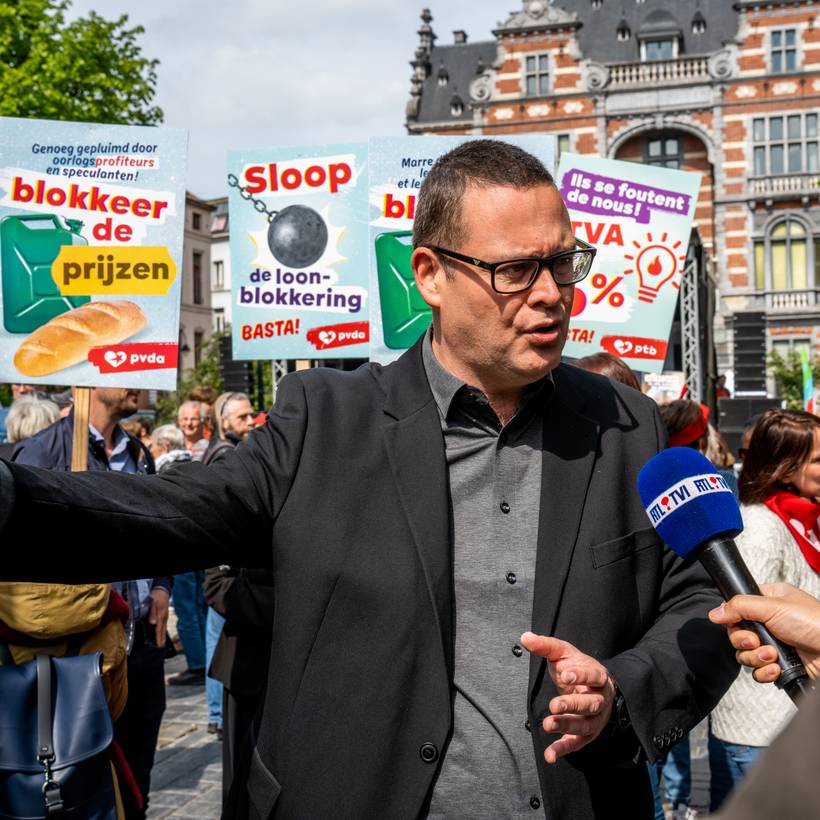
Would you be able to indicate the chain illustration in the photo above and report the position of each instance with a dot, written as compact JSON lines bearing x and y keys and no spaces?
{"x":258,"y":205}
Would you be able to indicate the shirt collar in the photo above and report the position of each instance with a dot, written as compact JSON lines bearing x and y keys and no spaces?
{"x":119,"y":436}
{"x":447,"y":388}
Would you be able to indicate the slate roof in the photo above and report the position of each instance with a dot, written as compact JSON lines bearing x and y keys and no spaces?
{"x":597,"y":35}
{"x":460,"y":62}
{"x":597,"y":39}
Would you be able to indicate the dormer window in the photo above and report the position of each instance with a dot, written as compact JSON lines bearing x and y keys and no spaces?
{"x":660,"y":36}
{"x":698,"y":24}
{"x":443,"y":77}
{"x":623,"y":32}
{"x":666,"y":49}
{"x":596,"y":4}
{"x":456,"y":106}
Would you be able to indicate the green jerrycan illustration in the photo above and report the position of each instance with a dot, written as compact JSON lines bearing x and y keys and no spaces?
{"x":29,"y":244}
{"x":405,"y":315}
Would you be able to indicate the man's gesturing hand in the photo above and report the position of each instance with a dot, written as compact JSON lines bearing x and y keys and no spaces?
{"x":584,"y":705}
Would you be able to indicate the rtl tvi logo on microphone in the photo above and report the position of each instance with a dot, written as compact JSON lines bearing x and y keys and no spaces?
{"x":683,"y":492}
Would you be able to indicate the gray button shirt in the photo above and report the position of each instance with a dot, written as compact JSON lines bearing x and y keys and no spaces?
{"x":489,"y":768}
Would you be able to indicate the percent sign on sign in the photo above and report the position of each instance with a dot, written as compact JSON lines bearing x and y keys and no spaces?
{"x":606,"y":290}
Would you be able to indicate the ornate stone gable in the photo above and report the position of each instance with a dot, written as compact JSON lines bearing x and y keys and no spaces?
{"x":537,"y":15}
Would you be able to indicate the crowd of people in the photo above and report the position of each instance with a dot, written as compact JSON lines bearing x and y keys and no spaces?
{"x":127,"y":621}
{"x":386,"y":536}
{"x":224,"y":614}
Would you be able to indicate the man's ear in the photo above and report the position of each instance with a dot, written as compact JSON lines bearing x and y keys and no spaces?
{"x":429,"y":274}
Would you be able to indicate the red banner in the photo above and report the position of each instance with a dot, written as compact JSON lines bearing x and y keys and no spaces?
{"x":136,"y":356}
{"x":635,"y":347}
{"x":349,"y":333}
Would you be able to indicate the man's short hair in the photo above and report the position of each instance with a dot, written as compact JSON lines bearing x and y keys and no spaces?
{"x":28,"y":415}
{"x":438,"y":219}
{"x":190,"y":403}
{"x":170,"y":437}
{"x":222,"y":407}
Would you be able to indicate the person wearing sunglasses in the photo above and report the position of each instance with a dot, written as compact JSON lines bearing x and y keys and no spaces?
{"x":473,"y":616}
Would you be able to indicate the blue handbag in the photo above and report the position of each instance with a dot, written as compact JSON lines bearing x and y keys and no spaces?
{"x":55,"y":731}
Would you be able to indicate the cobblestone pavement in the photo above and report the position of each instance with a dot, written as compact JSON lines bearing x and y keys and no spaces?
{"x":186,"y":781}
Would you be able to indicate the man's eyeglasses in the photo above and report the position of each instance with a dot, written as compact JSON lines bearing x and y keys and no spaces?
{"x":514,"y":275}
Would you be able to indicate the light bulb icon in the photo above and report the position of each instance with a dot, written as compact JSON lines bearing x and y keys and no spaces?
{"x":656,"y":265}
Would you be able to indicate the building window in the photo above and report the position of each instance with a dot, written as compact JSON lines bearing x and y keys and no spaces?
{"x":196,"y":221}
{"x":456,"y":106}
{"x":663,"y":150}
{"x":197,"y":277}
{"x":785,"y":145}
{"x":199,"y":337}
{"x":596,"y":4}
{"x":219,"y":274}
{"x":219,"y":315}
{"x":789,"y":347}
{"x":536,"y":75}
{"x":659,"y":49}
{"x":784,"y":50}
{"x":782,"y":259}
{"x":563,"y":144}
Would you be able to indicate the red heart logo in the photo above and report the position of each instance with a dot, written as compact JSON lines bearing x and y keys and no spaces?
{"x":713,"y":479}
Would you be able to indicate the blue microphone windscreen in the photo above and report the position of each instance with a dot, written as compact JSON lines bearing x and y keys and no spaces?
{"x":687,"y":500}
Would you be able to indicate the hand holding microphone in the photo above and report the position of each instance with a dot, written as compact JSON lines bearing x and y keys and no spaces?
{"x":787,"y":612}
{"x":694,"y":511}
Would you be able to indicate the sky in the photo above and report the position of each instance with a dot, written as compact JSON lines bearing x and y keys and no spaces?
{"x":258,"y":73}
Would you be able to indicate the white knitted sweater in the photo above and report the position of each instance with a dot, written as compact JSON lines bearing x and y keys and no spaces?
{"x":752,"y":713}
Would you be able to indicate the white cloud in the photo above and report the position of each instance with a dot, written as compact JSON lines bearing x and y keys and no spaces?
{"x":255,"y":73}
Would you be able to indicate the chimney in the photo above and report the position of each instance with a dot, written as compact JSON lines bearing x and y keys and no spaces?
{"x":459,"y":37}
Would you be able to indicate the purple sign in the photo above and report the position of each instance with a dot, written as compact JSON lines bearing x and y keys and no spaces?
{"x":609,"y":196}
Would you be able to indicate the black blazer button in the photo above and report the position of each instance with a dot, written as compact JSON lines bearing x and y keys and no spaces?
{"x":528,"y":725}
{"x":517,"y":651}
{"x":428,"y":752}
{"x":535,"y":802}
{"x":658,"y":741}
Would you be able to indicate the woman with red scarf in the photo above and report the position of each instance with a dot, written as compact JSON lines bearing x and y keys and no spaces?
{"x":780,"y":503}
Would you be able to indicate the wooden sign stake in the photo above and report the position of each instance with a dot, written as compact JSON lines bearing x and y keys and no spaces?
{"x":79,"y":443}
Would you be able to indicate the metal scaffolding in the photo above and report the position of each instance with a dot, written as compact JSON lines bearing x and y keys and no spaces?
{"x":280,"y":370}
{"x":690,"y":331}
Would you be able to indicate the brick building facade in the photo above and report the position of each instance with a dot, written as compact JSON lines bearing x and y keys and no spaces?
{"x":731,"y":90}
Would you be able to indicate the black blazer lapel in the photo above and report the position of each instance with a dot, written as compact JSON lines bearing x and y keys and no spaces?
{"x":415,"y":449}
{"x":569,"y":452}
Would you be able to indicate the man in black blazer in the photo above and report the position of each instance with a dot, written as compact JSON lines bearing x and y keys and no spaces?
{"x":418,"y":518}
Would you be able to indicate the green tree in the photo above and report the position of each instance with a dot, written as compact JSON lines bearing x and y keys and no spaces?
{"x":206,"y":373}
{"x":787,"y":371}
{"x":89,"y":69}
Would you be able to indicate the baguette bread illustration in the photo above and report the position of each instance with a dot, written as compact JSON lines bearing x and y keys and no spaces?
{"x":66,"y":339}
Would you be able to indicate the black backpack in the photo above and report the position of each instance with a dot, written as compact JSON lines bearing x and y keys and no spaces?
{"x":55,"y":734}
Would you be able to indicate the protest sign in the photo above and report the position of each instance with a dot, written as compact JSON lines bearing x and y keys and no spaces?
{"x":299,"y":252}
{"x":91,"y":223}
{"x":398,"y":314}
{"x":639,"y":218}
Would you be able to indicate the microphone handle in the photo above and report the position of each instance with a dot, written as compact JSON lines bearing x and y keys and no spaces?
{"x":722,"y":560}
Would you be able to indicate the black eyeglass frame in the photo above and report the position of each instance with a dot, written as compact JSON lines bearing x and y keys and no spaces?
{"x":543,"y":261}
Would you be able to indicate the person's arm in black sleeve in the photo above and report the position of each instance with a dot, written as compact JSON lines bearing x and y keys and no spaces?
{"x":140,"y":526}
{"x":218,"y":584}
{"x":675,"y":675}
{"x":243,"y":596}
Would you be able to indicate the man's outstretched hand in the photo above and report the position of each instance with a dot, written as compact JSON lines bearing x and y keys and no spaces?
{"x":584,"y":705}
